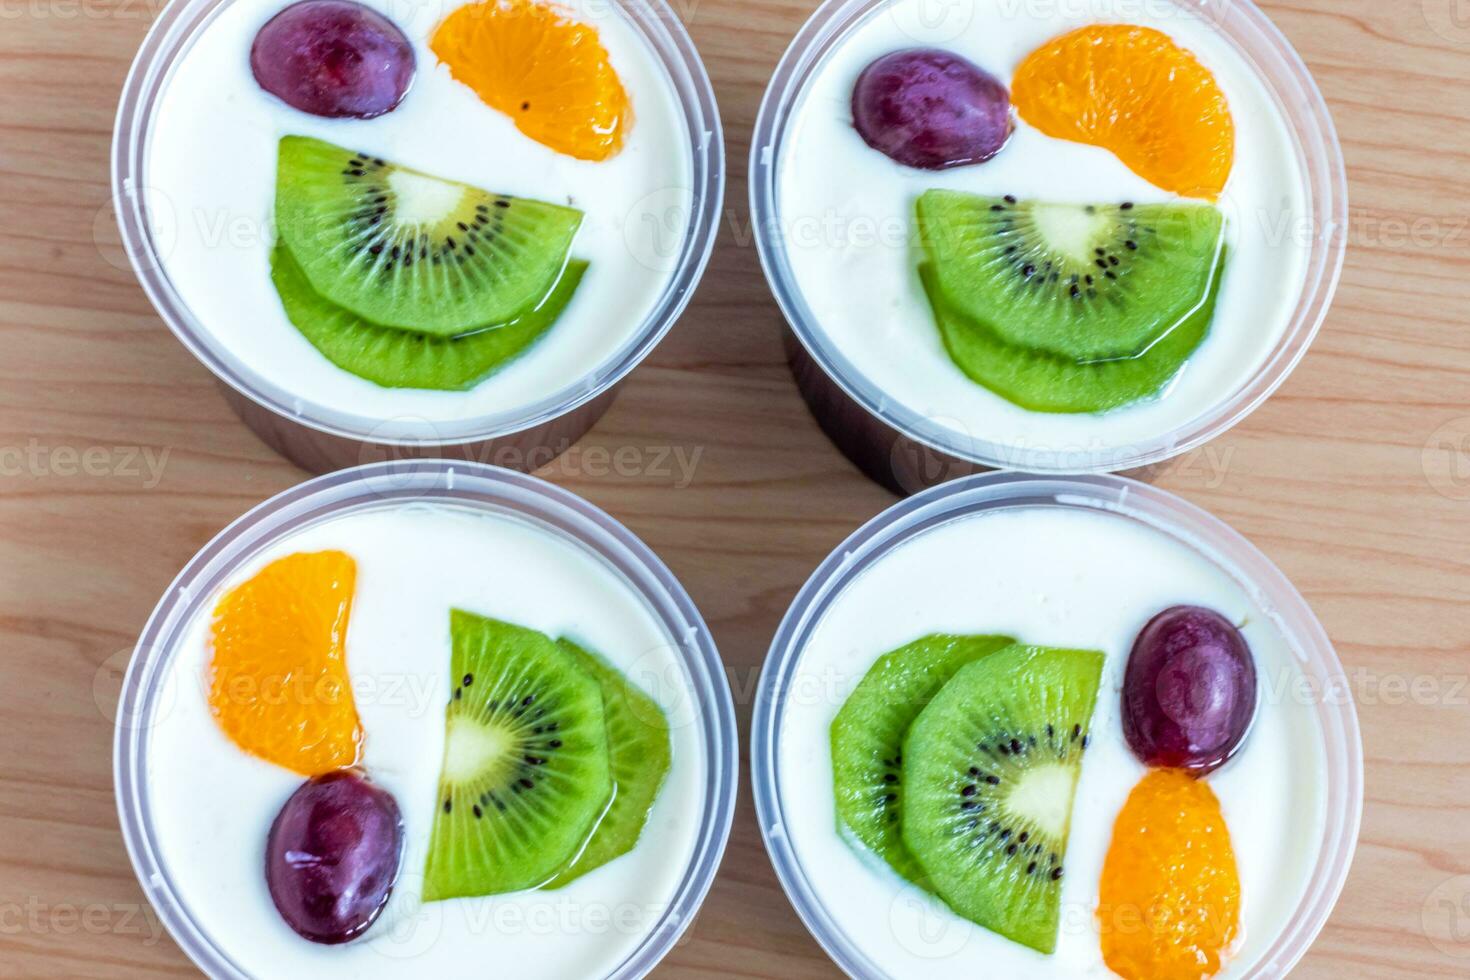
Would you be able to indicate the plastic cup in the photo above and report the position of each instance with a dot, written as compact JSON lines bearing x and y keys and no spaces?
{"x":320,"y":438}
{"x":493,"y":490}
{"x":905,"y":450}
{"x":1335,"y":714}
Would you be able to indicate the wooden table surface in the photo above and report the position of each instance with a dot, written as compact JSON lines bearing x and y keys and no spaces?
{"x":118,"y":459}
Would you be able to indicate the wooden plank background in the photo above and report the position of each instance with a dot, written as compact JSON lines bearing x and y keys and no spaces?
{"x":1355,"y":478}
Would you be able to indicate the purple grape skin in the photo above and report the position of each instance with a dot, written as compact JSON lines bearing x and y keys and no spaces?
{"x":930,"y":109}
{"x":1189,"y":690}
{"x":333,"y":58}
{"x":332,"y":856}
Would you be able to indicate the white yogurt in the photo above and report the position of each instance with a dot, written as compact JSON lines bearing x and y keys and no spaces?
{"x":212,"y":804}
{"x":1064,"y":578}
{"x":211,"y":172}
{"x":846,"y":211}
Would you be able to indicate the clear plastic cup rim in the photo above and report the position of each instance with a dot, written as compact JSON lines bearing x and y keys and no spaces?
{"x":1197,"y":529}
{"x":476,"y":485}
{"x":1282,"y":72}
{"x":170,"y":37}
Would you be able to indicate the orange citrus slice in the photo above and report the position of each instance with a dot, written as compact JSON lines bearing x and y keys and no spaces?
{"x":1133,"y":91}
{"x":548,"y":72}
{"x":278,"y":682}
{"x":1169,"y":902}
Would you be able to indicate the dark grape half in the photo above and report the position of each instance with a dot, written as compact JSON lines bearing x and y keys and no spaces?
{"x":931,"y":109}
{"x":333,"y":58}
{"x":1189,"y":690}
{"x":332,"y":856}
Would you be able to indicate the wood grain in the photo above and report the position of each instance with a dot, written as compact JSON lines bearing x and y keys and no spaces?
{"x":1347,"y":478}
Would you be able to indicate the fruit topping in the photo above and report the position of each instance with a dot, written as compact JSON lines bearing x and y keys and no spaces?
{"x":1043,"y":382}
{"x":639,"y":751}
{"x":931,"y":109}
{"x":867,"y":737}
{"x":526,"y":774}
{"x":278,"y":682}
{"x":1085,"y":282}
{"x":990,"y":769}
{"x":1133,"y":91}
{"x":550,"y":74}
{"x":332,"y":856}
{"x":404,"y":359}
{"x":404,"y":249}
{"x":1169,"y":900}
{"x":333,"y":58}
{"x":1189,"y":690}
{"x":1070,"y":308}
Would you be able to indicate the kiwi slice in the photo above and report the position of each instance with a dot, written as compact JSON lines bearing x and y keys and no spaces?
{"x":990,"y":768}
{"x":1044,"y":382}
{"x":867,"y":737}
{"x":1084,"y":282}
{"x":638,"y":747}
{"x":526,"y":773}
{"x":403,"y":249}
{"x":397,"y":358}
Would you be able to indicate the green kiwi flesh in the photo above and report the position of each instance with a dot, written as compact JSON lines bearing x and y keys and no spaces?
{"x":639,"y":750}
{"x":404,"y":249}
{"x":868,"y":731}
{"x":526,"y":774}
{"x":1085,"y":282}
{"x":990,"y":770}
{"x":397,"y":358}
{"x":1043,"y":382}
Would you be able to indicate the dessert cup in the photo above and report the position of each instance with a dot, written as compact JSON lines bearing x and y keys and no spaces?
{"x":150,"y":702}
{"x":823,"y":881}
{"x":907,"y":448}
{"x":319,"y":436}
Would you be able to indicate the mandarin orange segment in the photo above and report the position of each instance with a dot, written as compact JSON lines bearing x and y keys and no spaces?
{"x":1169,"y":901}
{"x":549,"y":73}
{"x":278,"y":682}
{"x":1133,"y":91}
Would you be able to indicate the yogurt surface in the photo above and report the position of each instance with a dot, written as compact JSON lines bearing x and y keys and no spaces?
{"x":210,"y":187}
{"x":846,"y":213}
{"x":212,"y":804}
{"x":1055,"y":577}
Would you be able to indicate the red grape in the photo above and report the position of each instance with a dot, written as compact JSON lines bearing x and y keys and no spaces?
{"x":332,"y":856}
{"x":333,"y":58}
{"x":931,"y":109}
{"x":1189,"y":690}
